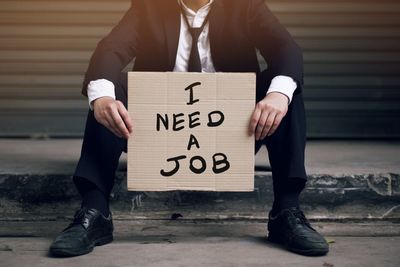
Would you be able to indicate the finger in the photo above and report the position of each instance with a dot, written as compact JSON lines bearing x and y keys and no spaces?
{"x":261,"y":124}
{"x":269,"y":124}
{"x":254,"y":120}
{"x":112,"y":126}
{"x":101,"y":118}
{"x":125,"y":116}
{"x":276,"y":124}
{"x":112,"y":130}
{"x":119,"y":123}
{"x":103,"y":121}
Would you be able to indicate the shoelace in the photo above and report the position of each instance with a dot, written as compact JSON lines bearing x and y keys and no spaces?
{"x":81,"y":217}
{"x":300,"y":218}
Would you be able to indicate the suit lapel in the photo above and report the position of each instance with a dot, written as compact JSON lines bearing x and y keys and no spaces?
{"x":172,"y":26}
{"x":217,"y":20}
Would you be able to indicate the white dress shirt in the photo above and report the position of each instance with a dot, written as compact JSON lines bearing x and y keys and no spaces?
{"x":195,"y":20}
{"x":281,"y":84}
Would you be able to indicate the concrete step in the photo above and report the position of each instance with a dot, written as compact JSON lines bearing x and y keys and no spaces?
{"x":348,"y":180}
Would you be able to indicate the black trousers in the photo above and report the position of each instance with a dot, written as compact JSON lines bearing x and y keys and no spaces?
{"x":101,"y":149}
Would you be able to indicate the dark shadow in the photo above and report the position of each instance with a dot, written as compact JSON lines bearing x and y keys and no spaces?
{"x":263,"y":240}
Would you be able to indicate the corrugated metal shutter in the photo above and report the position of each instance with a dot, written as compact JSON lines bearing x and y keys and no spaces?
{"x":351,"y":49}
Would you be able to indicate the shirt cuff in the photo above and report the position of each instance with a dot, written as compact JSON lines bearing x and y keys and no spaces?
{"x":100,"y":88}
{"x":284,"y":85}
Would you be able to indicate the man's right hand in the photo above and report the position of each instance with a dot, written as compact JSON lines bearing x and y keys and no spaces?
{"x":113,"y":115}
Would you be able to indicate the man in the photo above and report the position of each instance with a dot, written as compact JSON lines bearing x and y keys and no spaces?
{"x":200,"y":36}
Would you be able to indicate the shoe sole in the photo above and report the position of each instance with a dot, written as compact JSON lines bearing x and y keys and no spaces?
{"x":307,"y":252}
{"x":310,"y":252}
{"x":77,"y":252}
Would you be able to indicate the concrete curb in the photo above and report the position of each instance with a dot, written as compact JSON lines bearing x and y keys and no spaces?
{"x":326,"y":197}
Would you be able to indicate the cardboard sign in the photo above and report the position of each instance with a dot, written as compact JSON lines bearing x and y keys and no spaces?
{"x":191,"y":131}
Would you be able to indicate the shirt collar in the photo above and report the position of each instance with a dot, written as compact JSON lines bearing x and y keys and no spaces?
{"x":189,"y":12}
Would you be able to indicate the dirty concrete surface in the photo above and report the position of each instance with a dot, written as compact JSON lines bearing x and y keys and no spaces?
{"x":169,"y":243}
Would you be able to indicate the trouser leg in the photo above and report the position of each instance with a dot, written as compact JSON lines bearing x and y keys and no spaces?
{"x":101,"y":150}
{"x":286,"y":153}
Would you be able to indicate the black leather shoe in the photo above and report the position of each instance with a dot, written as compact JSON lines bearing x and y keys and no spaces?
{"x":89,"y":229}
{"x":291,"y":229}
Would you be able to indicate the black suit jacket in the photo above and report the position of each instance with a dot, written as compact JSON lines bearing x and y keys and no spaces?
{"x":149,"y":32}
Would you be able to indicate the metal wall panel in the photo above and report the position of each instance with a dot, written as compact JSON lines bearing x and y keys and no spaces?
{"x":351,"y":51}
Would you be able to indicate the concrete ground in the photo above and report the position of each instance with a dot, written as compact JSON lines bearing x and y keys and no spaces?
{"x":183,"y":243}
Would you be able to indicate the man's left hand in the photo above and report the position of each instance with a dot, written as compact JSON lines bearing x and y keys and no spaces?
{"x":268,"y":115}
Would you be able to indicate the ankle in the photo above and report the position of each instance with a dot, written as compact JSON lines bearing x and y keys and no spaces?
{"x":96,"y":199}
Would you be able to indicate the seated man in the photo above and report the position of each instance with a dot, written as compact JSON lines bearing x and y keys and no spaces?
{"x":196,"y":36}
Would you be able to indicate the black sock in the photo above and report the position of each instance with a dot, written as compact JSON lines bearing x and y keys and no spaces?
{"x":285,"y":201}
{"x":92,"y":197}
{"x":286,"y":195}
{"x":96,"y":199}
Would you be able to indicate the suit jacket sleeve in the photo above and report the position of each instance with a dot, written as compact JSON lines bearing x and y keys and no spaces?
{"x":116,"y":50}
{"x":276,"y":45}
